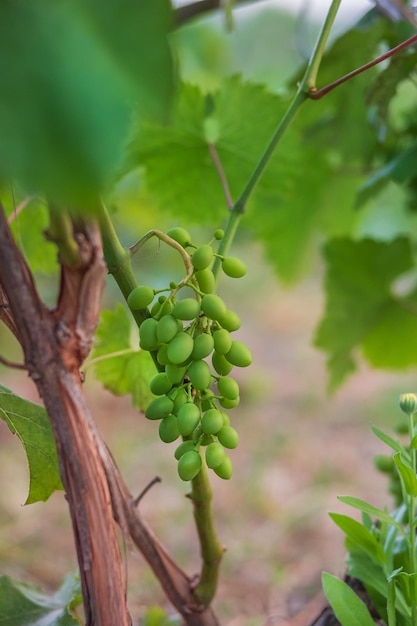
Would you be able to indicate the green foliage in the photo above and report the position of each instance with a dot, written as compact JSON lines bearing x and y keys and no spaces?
{"x":31,"y":424}
{"x":348,"y":608}
{"x":118,"y":364}
{"x":66,"y":102}
{"x":22,"y":604}
{"x":361,"y":306}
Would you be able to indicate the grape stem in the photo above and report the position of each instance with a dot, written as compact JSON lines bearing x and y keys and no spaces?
{"x":220,"y":171}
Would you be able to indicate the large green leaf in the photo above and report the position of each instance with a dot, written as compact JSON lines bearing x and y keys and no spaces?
{"x":31,"y":424}
{"x":119,"y":365}
{"x":347,"y":606}
{"x":361,"y":537}
{"x":25,"y":605}
{"x":359,"y":304}
{"x":69,"y":87}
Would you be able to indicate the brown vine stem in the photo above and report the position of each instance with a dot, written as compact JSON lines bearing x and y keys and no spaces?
{"x":12,"y":364}
{"x":316,"y":94}
{"x":220,"y":171}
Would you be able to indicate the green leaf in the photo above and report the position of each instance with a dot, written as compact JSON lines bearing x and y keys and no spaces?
{"x":363,"y":506}
{"x":66,"y":102}
{"x":395,"y":445}
{"x":25,"y":605}
{"x":119,"y":365}
{"x":348,"y":608}
{"x":358,"y":297}
{"x":360,"y":536}
{"x":31,"y":424}
{"x":408,"y":476}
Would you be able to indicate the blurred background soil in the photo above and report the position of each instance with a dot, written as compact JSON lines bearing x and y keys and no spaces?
{"x":299,"y":449}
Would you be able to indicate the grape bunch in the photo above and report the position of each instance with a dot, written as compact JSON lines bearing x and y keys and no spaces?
{"x":192,"y":340}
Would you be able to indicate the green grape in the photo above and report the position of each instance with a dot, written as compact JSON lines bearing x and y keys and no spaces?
{"x":207,"y":399}
{"x":222,"y":341}
{"x":221,"y":364}
{"x":160,"y":384}
{"x":187,"y":309}
{"x":162,"y":355}
{"x":189,"y":465}
{"x":184,"y":447}
{"x":228,"y":403}
{"x":213,"y":306}
{"x":206,"y":280}
{"x":219,"y":234}
{"x":168,"y":327}
{"x":179,"y":398}
{"x":230,"y":321}
{"x":159,"y":407}
{"x":140,"y":297}
{"x":147,"y":334}
{"x":202,"y":257}
{"x":239,"y":354}
{"x":188,"y":418}
{"x":384,"y":463}
{"x":155,"y":309}
{"x":168,"y":430}
{"x":214,"y":455}
{"x":212,"y":421}
{"x":175,"y":373}
{"x":228,"y":437}
{"x":226,"y":419}
{"x":200,"y":375}
{"x":166,"y":307}
{"x":180,"y":235}
{"x":233,"y":267}
{"x":173,"y":285}
{"x":180,"y":348}
{"x":225,"y":469}
{"x":228,"y":388}
{"x":203,"y":346}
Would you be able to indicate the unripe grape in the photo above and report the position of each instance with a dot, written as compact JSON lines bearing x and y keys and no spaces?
{"x":214,"y":455}
{"x":162,"y":355}
{"x":140,"y":297}
{"x":233,"y":267}
{"x":222,"y":341}
{"x":147,"y":334}
{"x":203,"y":346}
{"x":226,"y":419}
{"x":156,"y":307}
{"x":206,"y":397}
{"x":200,"y":375}
{"x":225,"y":469}
{"x":187,"y":309}
{"x":175,"y":373}
{"x":228,"y":403}
{"x":159,"y":407}
{"x":166,"y":307}
{"x":167,"y":328}
{"x":168,"y":430}
{"x":239,"y":354}
{"x":228,"y":437}
{"x":202,"y":257}
{"x":206,"y":280}
{"x":184,"y":447}
{"x":384,"y":463}
{"x":212,"y":421}
{"x":221,"y":364}
{"x":160,"y":384}
{"x":189,"y":465}
{"x":188,"y":418}
{"x":230,"y":321}
{"x":180,"y":348}
{"x":180,"y":235}
{"x":180,"y":398}
{"x":228,"y":388}
{"x":213,"y":306}
{"x":219,"y":234}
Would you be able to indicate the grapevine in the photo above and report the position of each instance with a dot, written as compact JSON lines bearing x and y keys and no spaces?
{"x":190,"y":338}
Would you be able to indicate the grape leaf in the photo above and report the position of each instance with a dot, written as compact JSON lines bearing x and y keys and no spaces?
{"x":120,"y":366}
{"x":358,"y":283}
{"x":66,"y":102}
{"x":31,"y":424}
{"x":22,"y":604}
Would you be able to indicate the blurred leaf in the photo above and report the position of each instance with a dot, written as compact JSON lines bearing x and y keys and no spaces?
{"x":363,"y":506}
{"x":129,"y":371}
{"x":23,"y":605}
{"x":66,"y":101}
{"x":395,"y":445}
{"x":347,"y":606}
{"x":358,"y":291}
{"x":408,"y":476}
{"x":360,"y":536}
{"x":31,"y":424}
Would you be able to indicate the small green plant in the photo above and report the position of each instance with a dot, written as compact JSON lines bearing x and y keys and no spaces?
{"x":382,"y":553}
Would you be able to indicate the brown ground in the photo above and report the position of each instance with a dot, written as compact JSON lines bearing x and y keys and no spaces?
{"x":299,"y":449}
